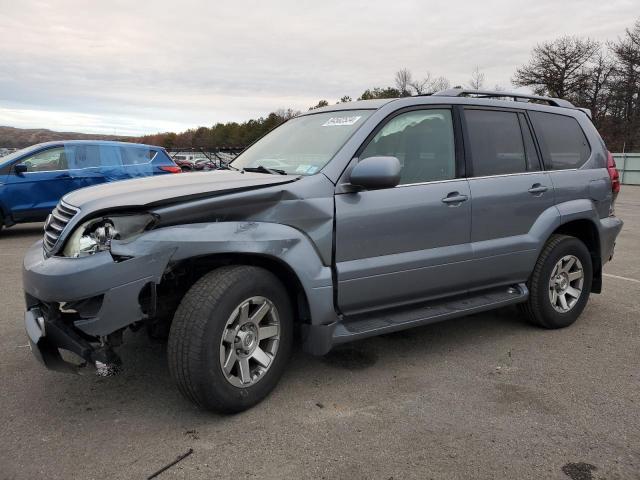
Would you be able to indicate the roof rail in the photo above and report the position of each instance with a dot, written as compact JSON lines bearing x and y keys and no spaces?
{"x":458,"y":92}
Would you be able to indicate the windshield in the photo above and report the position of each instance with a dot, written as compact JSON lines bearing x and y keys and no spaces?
{"x":18,"y":153}
{"x":303,"y":145}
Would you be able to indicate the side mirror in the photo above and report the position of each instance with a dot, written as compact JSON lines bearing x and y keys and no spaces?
{"x":20,"y":168}
{"x":376,"y":172}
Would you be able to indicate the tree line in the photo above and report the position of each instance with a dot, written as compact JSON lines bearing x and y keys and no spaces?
{"x":604,"y":77}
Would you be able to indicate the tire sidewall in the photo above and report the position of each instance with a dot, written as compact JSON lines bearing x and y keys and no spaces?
{"x":215,"y":384}
{"x":552,"y":317}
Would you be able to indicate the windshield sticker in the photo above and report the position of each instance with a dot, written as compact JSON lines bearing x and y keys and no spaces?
{"x":311,"y":170}
{"x":303,"y":168}
{"x":341,"y":121}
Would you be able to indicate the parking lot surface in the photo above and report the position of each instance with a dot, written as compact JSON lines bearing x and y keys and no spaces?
{"x":485,"y":396}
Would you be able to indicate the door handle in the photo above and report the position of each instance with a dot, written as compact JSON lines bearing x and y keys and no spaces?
{"x":453,"y":198}
{"x":536,"y":188}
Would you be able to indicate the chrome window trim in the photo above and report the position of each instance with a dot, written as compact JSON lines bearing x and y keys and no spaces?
{"x":430,"y":182}
{"x":483,"y":177}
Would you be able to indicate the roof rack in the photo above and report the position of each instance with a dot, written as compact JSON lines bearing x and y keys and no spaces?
{"x":458,"y":92}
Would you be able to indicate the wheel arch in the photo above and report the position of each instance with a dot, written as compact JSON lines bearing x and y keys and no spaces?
{"x":585,"y":230}
{"x":195,"y":249}
{"x":201,"y":265}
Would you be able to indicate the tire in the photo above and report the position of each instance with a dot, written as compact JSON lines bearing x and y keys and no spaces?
{"x":545,"y":309}
{"x":201,"y":337}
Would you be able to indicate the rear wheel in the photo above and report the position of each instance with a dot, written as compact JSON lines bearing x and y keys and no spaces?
{"x":560,"y":285}
{"x":230,"y":338}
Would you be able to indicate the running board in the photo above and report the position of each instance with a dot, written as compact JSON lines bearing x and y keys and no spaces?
{"x":370,"y":324}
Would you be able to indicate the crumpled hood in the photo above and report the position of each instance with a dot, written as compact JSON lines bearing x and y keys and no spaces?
{"x":165,"y":189}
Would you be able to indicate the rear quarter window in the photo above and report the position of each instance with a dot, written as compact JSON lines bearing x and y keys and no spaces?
{"x":137,"y":155}
{"x":562,"y":140}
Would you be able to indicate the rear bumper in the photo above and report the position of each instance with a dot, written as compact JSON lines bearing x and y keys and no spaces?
{"x":610,"y":227}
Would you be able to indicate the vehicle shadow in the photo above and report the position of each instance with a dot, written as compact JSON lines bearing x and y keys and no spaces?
{"x":27,"y":229}
{"x":145,"y":389}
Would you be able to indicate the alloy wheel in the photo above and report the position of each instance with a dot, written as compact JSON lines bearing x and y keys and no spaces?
{"x":565,"y":284}
{"x":250,"y":342}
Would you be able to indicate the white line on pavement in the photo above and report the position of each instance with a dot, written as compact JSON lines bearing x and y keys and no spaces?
{"x":621,"y":278}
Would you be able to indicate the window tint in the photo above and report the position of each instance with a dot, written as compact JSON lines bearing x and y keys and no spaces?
{"x":562,"y":138}
{"x":423,"y":142}
{"x":496,"y":142}
{"x":49,"y":160}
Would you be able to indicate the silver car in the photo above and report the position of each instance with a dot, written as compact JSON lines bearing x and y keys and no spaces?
{"x":345,"y":222}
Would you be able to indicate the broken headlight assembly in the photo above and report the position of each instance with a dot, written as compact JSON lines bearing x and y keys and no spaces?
{"x":96,"y":235}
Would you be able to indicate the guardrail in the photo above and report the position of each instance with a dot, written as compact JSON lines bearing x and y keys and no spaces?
{"x":629,"y":167}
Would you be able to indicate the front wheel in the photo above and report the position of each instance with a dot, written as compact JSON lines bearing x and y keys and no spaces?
{"x":230,"y":338}
{"x":560,"y":284}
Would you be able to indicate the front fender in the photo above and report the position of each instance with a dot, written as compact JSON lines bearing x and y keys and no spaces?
{"x":281,"y":242}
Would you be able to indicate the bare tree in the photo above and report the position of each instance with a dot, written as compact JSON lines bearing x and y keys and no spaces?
{"x":440,"y":83}
{"x":420,"y":87}
{"x":476,"y":82}
{"x":626,"y":88}
{"x":558,"y":68}
{"x":597,"y":92}
{"x":403,"y":81}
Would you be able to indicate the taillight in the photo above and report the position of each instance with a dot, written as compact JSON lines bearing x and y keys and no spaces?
{"x":170,"y":168}
{"x":613,"y":173}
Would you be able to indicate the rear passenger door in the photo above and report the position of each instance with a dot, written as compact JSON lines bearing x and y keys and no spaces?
{"x":85,"y":169}
{"x":509,"y":190}
{"x":577,"y":169}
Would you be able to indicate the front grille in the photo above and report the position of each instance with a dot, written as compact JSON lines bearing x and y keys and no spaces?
{"x":56,"y":223}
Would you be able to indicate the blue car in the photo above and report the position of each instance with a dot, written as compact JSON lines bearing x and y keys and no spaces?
{"x":33,"y":180}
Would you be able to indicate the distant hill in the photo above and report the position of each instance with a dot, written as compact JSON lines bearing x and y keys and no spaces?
{"x":11,"y":137}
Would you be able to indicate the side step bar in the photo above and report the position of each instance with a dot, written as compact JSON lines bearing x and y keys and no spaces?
{"x":369,"y":324}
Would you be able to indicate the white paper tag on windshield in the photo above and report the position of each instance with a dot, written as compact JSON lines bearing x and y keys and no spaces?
{"x":340,"y":121}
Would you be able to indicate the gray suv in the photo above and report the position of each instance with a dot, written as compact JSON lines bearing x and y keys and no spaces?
{"x":345,"y":222}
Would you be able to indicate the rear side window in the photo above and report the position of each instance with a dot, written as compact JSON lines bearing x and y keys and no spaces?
{"x":80,"y":156}
{"x":562,"y":140}
{"x":497,"y":146}
{"x":137,"y":155}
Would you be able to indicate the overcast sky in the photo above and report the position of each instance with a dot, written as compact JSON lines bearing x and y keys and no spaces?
{"x":129,"y":67}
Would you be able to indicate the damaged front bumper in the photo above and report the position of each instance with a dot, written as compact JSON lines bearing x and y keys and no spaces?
{"x":76,"y":304}
{"x":48,"y":336}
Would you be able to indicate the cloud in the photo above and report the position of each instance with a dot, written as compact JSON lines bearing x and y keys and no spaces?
{"x":144,"y":66}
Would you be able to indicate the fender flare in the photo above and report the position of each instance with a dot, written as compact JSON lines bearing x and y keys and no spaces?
{"x":280,"y":242}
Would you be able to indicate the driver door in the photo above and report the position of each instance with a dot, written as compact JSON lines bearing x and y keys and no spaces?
{"x":33,"y":194}
{"x":409,"y":243}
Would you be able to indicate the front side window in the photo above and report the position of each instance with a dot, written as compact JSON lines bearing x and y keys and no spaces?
{"x":564,"y":141}
{"x":496,"y":143}
{"x":305,"y":144}
{"x":46,"y":161}
{"x":422,"y":140}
